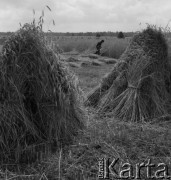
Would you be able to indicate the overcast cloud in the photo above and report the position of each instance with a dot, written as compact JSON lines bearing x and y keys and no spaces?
{"x":86,"y":15}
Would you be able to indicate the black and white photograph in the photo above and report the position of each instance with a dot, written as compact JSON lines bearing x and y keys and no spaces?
{"x":85,"y":89}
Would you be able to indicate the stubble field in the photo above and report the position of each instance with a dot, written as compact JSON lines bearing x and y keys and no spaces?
{"x":108,"y":137}
{"x":103,"y":137}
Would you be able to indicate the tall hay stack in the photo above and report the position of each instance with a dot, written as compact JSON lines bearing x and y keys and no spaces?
{"x":39,"y":100}
{"x":138,"y":88}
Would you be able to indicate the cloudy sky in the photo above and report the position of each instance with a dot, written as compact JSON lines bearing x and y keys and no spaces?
{"x":86,"y":15}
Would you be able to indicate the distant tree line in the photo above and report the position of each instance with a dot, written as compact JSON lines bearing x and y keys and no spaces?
{"x":119,"y":34}
{"x":97,"y":34}
{"x":5,"y":33}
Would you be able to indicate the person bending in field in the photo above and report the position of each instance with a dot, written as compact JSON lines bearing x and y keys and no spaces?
{"x":98,"y":47}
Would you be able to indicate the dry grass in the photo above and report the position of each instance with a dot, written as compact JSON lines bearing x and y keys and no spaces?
{"x":1,"y":48}
{"x":103,"y":137}
{"x":138,"y":89}
{"x":40,"y":103}
{"x":89,"y":76}
{"x":112,"y":46}
{"x":108,"y":60}
{"x":95,"y":63}
{"x":74,"y":65}
{"x":96,"y":94}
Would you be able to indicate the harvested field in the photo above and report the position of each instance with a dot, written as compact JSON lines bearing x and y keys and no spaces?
{"x":138,"y":87}
{"x":43,"y":116}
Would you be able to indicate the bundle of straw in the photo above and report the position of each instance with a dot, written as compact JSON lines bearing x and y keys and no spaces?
{"x":93,"y":98}
{"x":141,"y":91}
{"x":39,"y":100}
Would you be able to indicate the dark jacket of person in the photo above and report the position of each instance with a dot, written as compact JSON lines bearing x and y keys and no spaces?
{"x":98,"y":47}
